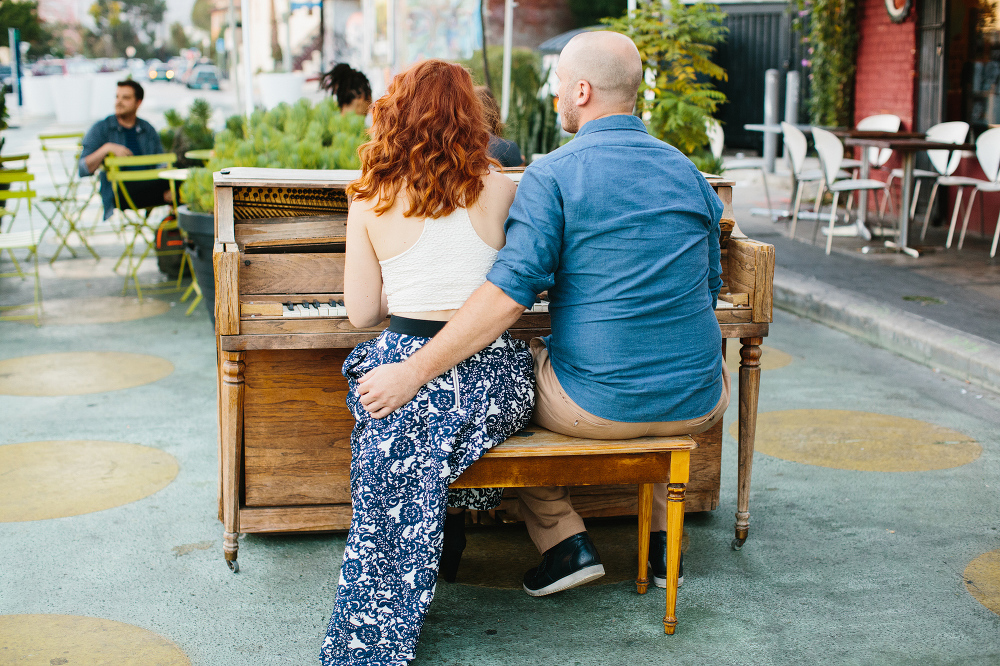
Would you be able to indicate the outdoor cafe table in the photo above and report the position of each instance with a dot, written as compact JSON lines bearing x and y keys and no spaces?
{"x":907,"y":145}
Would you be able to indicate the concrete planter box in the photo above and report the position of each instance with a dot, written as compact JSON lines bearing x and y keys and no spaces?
{"x":200,"y":230}
{"x":278,"y":87}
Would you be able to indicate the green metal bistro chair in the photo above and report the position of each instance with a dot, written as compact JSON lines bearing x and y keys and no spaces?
{"x":21,"y":240}
{"x":10,"y":163}
{"x":138,"y":228}
{"x":72,"y":196}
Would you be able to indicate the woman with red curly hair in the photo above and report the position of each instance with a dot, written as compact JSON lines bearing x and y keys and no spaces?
{"x":423,"y":230}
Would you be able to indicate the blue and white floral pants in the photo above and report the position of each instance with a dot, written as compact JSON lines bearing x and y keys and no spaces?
{"x":400,"y":470}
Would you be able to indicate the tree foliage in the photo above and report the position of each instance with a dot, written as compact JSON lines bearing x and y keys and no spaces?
{"x":178,"y":37}
{"x":832,"y":36}
{"x":531,"y":121}
{"x":589,"y":12}
{"x":24,"y":17}
{"x":124,"y":23}
{"x":677,"y":97}
{"x":201,"y":15}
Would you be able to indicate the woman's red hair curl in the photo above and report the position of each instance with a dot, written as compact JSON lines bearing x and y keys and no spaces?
{"x":428,"y":136}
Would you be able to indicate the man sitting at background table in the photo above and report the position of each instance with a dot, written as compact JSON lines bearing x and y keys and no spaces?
{"x":623,"y":232}
{"x":124,"y":134}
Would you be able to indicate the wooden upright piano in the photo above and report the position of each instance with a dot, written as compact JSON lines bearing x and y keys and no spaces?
{"x":282,"y":337}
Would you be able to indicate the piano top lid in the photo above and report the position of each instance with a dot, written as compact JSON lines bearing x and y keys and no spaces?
{"x":259,"y":177}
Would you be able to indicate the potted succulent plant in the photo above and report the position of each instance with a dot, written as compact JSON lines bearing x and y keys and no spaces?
{"x":289,"y":136}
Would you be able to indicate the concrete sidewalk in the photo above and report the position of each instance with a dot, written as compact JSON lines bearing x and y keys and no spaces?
{"x":941,"y":310}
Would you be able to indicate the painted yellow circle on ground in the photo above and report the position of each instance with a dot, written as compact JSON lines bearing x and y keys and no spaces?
{"x":78,"y":373}
{"x":770,"y":358}
{"x":48,"y":640}
{"x":108,"y":310}
{"x":56,"y":479}
{"x":861,"y":441}
{"x":982,"y":579}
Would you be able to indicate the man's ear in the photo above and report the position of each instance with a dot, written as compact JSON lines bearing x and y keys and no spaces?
{"x":583,"y":92}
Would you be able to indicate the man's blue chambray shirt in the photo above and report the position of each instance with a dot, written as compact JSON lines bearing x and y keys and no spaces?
{"x":107,"y":130}
{"x":624,"y":233}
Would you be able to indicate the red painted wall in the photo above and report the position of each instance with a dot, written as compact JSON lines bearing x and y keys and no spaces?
{"x":887,"y":60}
{"x":885,"y":81}
{"x":534,"y":21}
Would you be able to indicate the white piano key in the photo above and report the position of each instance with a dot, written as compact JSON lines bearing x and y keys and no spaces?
{"x":286,"y":312}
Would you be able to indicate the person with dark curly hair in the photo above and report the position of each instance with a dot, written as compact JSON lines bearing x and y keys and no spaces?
{"x":350,"y":87}
{"x":505,"y":151}
{"x":424,"y":227}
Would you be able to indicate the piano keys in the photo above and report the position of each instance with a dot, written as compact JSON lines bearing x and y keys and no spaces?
{"x":283,"y":334}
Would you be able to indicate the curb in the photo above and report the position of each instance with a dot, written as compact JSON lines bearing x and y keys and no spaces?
{"x":911,"y":336}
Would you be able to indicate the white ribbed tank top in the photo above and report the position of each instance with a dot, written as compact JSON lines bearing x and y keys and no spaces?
{"x":440,"y":271}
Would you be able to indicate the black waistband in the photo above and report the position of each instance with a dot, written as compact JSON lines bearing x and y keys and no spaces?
{"x":421,"y":328}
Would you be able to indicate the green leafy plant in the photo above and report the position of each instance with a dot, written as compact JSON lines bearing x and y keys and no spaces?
{"x":181,"y":135}
{"x":677,"y":97}
{"x":831,"y":33}
{"x":532,"y":122}
{"x":298,"y":136}
{"x":3,"y":115}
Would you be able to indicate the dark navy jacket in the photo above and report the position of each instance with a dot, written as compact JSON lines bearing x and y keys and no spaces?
{"x":107,"y":130}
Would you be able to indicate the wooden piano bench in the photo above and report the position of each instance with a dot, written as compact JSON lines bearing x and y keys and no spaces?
{"x":538,"y":457}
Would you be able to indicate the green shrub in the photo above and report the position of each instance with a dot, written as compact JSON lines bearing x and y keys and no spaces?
{"x":676,"y":43}
{"x":532,"y":122}
{"x":180,"y":135}
{"x":298,"y":136}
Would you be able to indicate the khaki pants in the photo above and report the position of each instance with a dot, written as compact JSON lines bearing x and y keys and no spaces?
{"x":547,"y":511}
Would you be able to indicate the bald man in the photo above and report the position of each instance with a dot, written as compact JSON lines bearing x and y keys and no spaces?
{"x":623,"y":232}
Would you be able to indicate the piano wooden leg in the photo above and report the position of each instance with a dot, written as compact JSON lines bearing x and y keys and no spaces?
{"x":749,"y":391}
{"x":231,"y":405}
{"x":680,"y":469}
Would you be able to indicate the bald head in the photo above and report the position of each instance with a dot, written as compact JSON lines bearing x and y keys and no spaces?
{"x":609,"y":62}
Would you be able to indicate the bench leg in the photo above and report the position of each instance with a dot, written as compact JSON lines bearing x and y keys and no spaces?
{"x":679,"y":471}
{"x":645,"y":519}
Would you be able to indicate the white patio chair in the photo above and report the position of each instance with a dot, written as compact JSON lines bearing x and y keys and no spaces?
{"x":944,"y":163}
{"x":988,"y":154}
{"x":716,"y":142}
{"x":796,"y":146}
{"x":831,"y":155}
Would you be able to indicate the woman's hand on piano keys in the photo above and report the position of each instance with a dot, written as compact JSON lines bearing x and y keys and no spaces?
{"x":388,"y":387}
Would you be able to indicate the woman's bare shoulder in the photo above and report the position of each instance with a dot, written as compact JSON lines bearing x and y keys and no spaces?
{"x":498,"y":188}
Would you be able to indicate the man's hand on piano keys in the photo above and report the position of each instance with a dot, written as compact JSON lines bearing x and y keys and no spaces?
{"x":386,"y":388}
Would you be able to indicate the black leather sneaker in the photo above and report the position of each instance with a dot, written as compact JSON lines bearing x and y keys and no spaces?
{"x":571,"y":562}
{"x":658,"y":560}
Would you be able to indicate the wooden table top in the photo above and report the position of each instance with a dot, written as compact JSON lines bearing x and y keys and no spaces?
{"x":905,"y":143}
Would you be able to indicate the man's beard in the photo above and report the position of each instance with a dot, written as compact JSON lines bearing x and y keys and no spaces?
{"x":571,"y":119}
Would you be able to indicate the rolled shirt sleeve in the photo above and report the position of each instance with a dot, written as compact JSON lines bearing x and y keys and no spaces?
{"x":527,"y":263}
{"x":714,"y":233}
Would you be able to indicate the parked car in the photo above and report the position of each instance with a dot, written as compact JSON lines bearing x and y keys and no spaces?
{"x":160,"y":72}
{"x":52,"y":67}
{"x":204,"y":77}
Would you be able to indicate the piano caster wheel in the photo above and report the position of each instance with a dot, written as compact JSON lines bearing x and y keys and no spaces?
{"x":234,"y":566}
{"x":737,"y":544}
